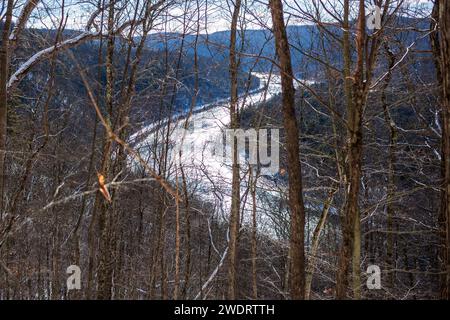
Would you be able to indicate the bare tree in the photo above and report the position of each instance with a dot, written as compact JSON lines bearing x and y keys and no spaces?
{"x":440,"y":43}
{"x":297,"y":210}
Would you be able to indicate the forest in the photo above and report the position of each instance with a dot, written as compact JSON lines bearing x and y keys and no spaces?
{"x":225,"y":150}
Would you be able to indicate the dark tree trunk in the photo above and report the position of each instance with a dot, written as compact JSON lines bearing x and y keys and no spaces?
{"x":235,"y":184}
{"x":444,"y":20}
{"x":4,"y":73}
{"x":297,"y":249}
{"x":351,"y":232}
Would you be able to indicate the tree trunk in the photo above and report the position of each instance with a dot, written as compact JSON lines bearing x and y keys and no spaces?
{"x":393,"y":137}
{"x":440,"y":42}
{"x":315,"y":243}
{"x":4,"y":73}
{"x":235,"y":184}
{"x":177,"y":241}
{"x":297,"y":210}
{"x":254,"y":247}
{"x":444,"y":19}
{"x":105,"y":268}
{"x":350,"y":231}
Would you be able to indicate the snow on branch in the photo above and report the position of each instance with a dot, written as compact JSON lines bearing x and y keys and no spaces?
{"x":23,"y":18}
{"x":43,"y":54}
{"x":18,"y":75}
{"x":213,"y":274}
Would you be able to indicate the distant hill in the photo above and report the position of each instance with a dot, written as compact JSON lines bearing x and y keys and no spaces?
{"x":303,"y":38}
{"x":214,"y":81}
{"x":216,"y":45}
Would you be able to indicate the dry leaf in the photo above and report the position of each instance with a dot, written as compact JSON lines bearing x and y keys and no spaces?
{"x":102,"y":187}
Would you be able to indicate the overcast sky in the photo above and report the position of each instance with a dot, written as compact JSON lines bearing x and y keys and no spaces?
{"x":216,"y":18}
{"x":219,"y":13}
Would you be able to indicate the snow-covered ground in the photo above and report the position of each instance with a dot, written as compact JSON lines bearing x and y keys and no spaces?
{"x":209,"y":174}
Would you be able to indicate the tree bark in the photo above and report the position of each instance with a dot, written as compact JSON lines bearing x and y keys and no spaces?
{"x":315,"y":243}
{"x":350,"y":220}
{"x":444,"y":21}
{"x":235,"y":184}
{"x":105,"y":268}
{"x":4,"y":73}
{"x":297,"y":210}
{"x":254,"y":247}
{"x":393,"y":137}
{"x":440,"y":41}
